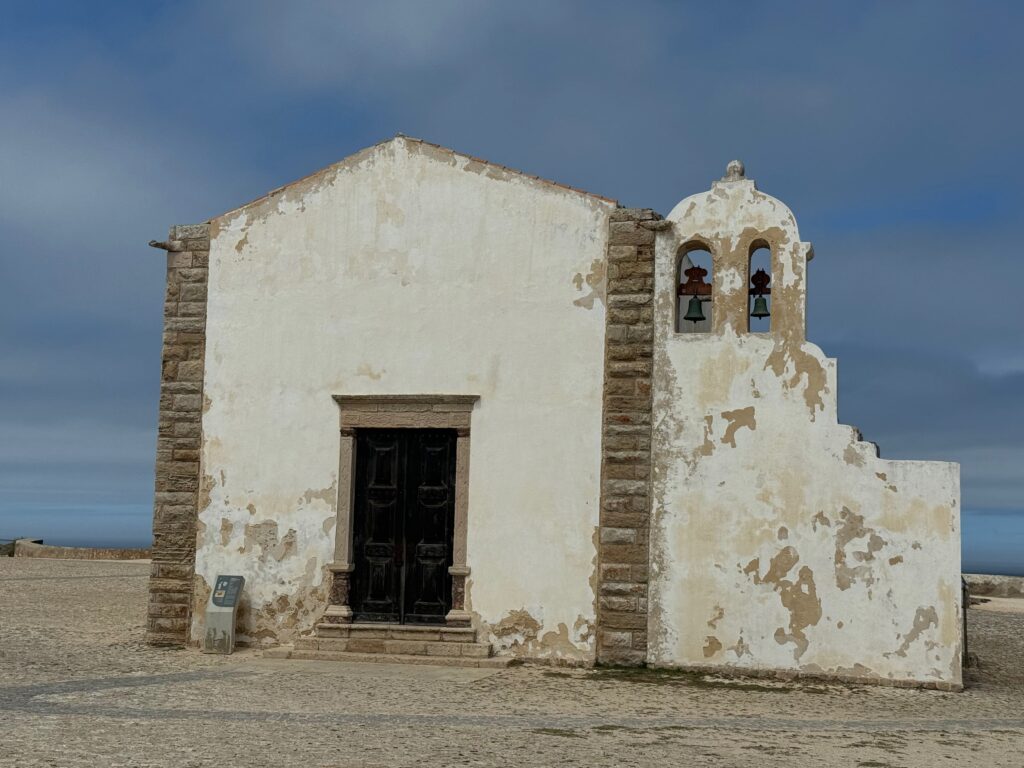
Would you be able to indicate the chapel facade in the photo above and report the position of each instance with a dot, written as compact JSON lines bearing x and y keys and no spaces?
{"x":430,"y":406}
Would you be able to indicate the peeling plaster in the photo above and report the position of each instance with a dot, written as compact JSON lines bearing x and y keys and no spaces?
{"x":923,"y":619}
{"x":520,"y":634}
{"x":850,"y":529}
{"x":226,"y":527}
{"x":741,"y":417}
{"x":794,"y":518}
{"x":595,"y":281}
{"x":388,"y":227}
{"x":712,"y":645}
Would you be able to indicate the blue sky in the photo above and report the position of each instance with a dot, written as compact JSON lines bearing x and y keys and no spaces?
{"x":891,"y":129}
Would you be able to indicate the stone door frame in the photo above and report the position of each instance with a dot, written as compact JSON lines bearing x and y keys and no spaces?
{"x":398,"y":412}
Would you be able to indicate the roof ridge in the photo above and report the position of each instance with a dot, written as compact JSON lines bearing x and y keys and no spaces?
{"x":413,"y":139}
{"x":507,"y":168}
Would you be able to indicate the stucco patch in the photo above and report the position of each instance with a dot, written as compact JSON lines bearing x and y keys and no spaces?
{"x":799,"y":598}
{"x":226,"y":527}
{"x":557,"y":644}
{"x":281,"y":619}
{"x":852,"y":456}
{"x":741,"y":417}
{"x":924,"y":618}
{"x":517,"y":628}
{"x":595,"y":280}
{"x":741,"y":648}
{"x":851,"y":528}
{"x":327,"y":495}
{"x":286,"y":547}
{"x":201,"y":591}
{"x":717,"y":375}
{"x":369,"y":372}
{"x":206,"y":486}
{"x":707,"y":447}
{"x":584,"y":628}
{"x":262,"y":534}
{"x":718,"y":615}
{"x":804,"y":366}
{"x":712,"y":645}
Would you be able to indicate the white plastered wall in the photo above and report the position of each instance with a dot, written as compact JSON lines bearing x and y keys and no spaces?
{"x":780,"y":541}
{"x":408,"y":269}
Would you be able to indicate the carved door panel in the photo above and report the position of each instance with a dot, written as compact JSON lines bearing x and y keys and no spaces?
{"x":404,"y":519}
{"x":379,"y":497}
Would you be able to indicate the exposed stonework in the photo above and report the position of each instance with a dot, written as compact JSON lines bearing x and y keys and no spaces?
{"x":179,"y":436}
{"x":626,"y":439}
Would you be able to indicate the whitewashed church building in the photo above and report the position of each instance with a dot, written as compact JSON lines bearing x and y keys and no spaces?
{"x":432,"y":408}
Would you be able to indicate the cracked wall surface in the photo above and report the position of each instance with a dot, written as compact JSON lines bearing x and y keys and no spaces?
{"x":780,"y":540}
{"x":409,"y":269}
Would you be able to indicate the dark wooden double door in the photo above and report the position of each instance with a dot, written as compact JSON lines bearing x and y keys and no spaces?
{"x":404,"y":516}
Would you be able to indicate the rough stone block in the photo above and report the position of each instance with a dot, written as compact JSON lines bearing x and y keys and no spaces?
{"x":618,"y":536}
{"x":615,"y":639}
{"x":626,"y":299}
{"x":444,"y":649}
{"x":617,"y":603}
{"x":623,"y":620}
{"x":189,"y":402}
{"x":624,"y":553}
{"x":192,"y":309}
{"x":623,"y":588}
{"x":187,"y":231}
{"x":178,"y":260}
{"x":628,"y":233}
{"x":615,"y":573}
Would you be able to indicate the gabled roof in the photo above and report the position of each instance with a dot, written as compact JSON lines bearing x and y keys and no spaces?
{"x":496,"y":170}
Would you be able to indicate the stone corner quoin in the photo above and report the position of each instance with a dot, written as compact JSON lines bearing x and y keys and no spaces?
{"x":626,"y":440}
{"x":179,"y":435}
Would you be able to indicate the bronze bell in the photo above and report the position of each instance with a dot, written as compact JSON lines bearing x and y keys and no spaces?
{"x":694,"y":310}
{"x":760,"y":307}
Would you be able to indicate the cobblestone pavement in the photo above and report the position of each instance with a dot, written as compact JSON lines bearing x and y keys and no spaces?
{"x":78,"y":688}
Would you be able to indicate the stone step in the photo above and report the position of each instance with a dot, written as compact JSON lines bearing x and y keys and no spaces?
{"x":286,"y":652}
{"x":417,"y":647}
{"x":424,"y":632}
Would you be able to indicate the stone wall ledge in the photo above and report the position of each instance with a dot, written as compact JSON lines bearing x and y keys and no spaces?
{"x":986,"y":585}
{"x":31,"y":549}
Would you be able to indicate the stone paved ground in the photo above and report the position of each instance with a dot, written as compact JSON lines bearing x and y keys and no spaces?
{"x":78,"y":688}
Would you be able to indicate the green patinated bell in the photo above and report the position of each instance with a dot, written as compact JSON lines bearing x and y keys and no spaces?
{"x":760,"y":307}
{"x":694,"y":310}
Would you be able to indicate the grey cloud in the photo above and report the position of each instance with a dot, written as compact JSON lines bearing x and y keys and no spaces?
{"x":888,"y":128}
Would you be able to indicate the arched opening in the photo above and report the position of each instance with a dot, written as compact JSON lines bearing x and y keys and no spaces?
{"x":695,"y":299}
{"x":759,"y":304}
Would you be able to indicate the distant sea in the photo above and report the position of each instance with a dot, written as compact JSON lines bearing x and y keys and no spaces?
{"x":993,"y":540}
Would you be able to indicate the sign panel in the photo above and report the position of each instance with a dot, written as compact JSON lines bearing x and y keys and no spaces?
{"x":221,"y":611}
{"x":227,"y":591}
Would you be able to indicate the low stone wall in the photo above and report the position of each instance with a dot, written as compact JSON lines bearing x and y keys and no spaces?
{"x":983,"y":585}
{"x":30,"y":549}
